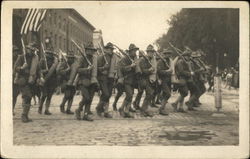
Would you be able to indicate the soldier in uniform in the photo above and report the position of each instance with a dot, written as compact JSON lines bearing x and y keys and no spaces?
{"x":106,"y":83}
{"x":63,"y":70}
{"x":48,"y":81}
{"x":15,"y":88}
{"x":27,"y":68}
{"x":164,"y":73}
{"x":127,"y":67}
{"x":147,"y":79}
{"x":184,"y":75}
{"x":86,"y":83}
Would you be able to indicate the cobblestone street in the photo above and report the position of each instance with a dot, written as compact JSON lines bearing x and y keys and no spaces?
{"x":191,"y":128}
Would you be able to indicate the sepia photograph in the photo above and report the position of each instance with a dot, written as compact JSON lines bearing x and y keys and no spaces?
{"x":96,"y":79}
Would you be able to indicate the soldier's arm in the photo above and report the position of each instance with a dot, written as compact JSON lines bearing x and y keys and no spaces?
{"x":19,"y":63}
{"x":62,"y":69}
{"x":101,"y":65}
{"x":161,"y":70}
{"x":42,"y":66}
{"x":125,"y":68}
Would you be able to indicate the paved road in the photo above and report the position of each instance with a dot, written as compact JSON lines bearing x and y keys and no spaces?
{"x":191,"y":128}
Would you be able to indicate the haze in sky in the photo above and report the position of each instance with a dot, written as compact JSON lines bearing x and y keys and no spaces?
{"x":123,"y":23}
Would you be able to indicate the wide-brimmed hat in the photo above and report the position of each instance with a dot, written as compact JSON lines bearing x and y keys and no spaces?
{"x":132,"y":47}
{"x":90,"y":46}
{"x":109,"y":45}
{"x":167,"y":51}
{"x":150,"y":48}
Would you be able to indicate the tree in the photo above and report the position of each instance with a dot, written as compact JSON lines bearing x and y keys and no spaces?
{"x":212,"y":30}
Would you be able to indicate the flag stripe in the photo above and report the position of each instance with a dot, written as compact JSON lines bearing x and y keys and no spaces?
{"x":37,"y":20}
{"x":32,"y":20}
{"x":25,"y":21}
{"x":41,"y":20}
{"x":28,"y":22}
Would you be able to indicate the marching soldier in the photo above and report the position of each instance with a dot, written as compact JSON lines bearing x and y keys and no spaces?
{"x":15,"y":88}
{"x":127,"y":66}
{"x":148,"y":79}
{"x":86,"y":82}
{"x":27,"y":68}
{"x":48,"y":80}
{"x":106,"y":83}
{"x":184,"y":75}
{"x":199,"y":77}
{"x":164,"y":73}
{"x":63,"y":70}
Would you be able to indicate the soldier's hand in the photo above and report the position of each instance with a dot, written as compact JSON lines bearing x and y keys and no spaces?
{"x":192,"y":73}
{"x":133,"y":65}
{"x":90,"y":67}
{"x":151,"y":69}
{"x":106,"y":66}
{"x":25,"y":65}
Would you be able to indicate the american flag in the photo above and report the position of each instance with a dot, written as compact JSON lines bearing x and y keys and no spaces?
{"x":33,"y":20}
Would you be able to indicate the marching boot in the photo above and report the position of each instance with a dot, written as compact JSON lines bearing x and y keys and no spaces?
{"x":99,"y":108}
{"x":180,"y":109}
{"x":62,"y":109}
{"x":121,"y":109}
{"x":47,"y":104}
{"x":162,"y":109}
{"x":144,"y":109}
{"x":78,"y":114}
{"x":87,"y":117}
{"x":136,"y":105}
{"x":40,"y":108}
{"x":127,"y":109}
{"x":25,"y":118}
{"x":68,"y":111}
{"x":190,"y":106}
{"x":106,"y":110}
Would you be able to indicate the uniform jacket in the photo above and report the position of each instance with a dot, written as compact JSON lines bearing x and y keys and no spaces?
{"x":84,"y":73}
{"x":127,"y":72}
{"x":161,"y":70}
{"x":182,"y":70}
{"x":29,"y":74}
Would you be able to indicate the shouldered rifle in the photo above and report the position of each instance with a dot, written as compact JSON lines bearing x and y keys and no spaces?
{"x":24,"y":51}
{"x":46,"y":65}
{"x":145,"y":57}
{"x":178,"y":51}
{"x":105,"y":59}
{"x":82,"y":52}
{"x":61,"y":52}
{"x":132,"y":61}
{"x":165,"y":62}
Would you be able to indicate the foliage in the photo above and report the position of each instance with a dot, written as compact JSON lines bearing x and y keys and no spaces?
{"x":212,"y":30}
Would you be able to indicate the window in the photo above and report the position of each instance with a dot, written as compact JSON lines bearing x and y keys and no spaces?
{"x":64,"y":24}
{"x":64,"y":44}
{"x":55,"y":19}
{"x":59,"y":42}
{"x":55,"y":41}
{"x":59,"y":22}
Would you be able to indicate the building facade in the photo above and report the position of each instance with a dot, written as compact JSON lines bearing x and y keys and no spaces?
{"x":62,"y":26}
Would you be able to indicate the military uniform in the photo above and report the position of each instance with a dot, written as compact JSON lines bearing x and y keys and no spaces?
{"x":50,"y":80}
{"x":15,"y":89}
{"x":63,"y":71}
{"x":128,"y":71}
{"x":147,"y":83}
{"x":27,"y":75}
{"x":164,"y":73}
{"x":87,"y":87}
{"x":106,"y":83}
{"x":184,"y":75}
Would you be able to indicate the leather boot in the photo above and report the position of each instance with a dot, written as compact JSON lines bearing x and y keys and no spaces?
{"x":99,"y":108}
{"x":87,"y":117}
{"x":106,"y":110}
{"x":121,"y":109}
{"x":25,"y":118}
{"x":62,"y":109}
{"x":47,"y":104}
{"x":78,"y":114}
{"x":127,"y":111}
{"x":40,"y":108}
{"x":68,"y":111}
{"x":162,"y":109}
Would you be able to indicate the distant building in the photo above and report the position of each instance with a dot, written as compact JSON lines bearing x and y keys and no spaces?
{"x":97,"y":39}
{"x":61,"y":25}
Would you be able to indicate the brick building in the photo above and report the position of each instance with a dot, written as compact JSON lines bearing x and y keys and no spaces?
{"x":61,"y":25}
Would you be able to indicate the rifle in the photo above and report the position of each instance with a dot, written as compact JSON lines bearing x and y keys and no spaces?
{"x":178,"y":52}
{"x":46,"y":65}
{"x":165,"y":62}
{"x":105,"y":59}
{"x":60,"y":51}
{"x":132,"y":61}
{"x":146,"y":58}
{"x":82,"y":51}
{"x":24,"y":51}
